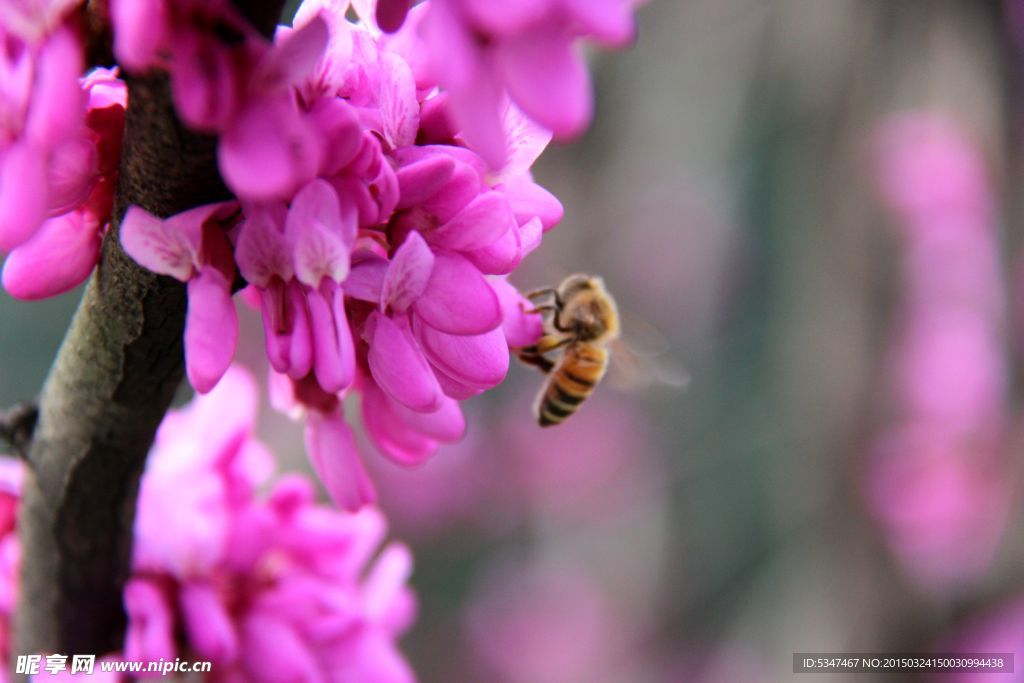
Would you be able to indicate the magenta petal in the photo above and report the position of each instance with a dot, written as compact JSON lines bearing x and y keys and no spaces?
{"x":481,"y":222}
{"x":462,"y":188}
{"x":520,"y":328}
{"x":446,"y":424}
{"x":211,"y":329}
{"x":398,"y":104}
{"x":293,"y":58}
{"x":505,"y":18}
{"x":458,"y":299}
{"x":140,"y":29}
{"x":548,"y":80}
{"x":71,"y":174}
{"x":286,"y":328}
{"x":529,"y":200}
{"x":273,"y":651}
{"x":150,"y":622}
{"x":261,"y":250}
{"x":407,"y":274}
{"x":207,"y":622}
{"x":609,"y":21}
{"x":57,"y":258}
{"x":478,"y":113}
{"x":320,"y":234}
{"x":501,"y":256}
{"x":398,"y":365}
{"x":421,"y":179}
{"x":334,"y":353}
{"x":269,"y":150}
{"x":366,"y":279}
{"x":204,"y":84}
{"x":453,"y":388}
{"x":58,"y":103}
{"x":332,"y":450}
{"x":403,"y":445}
{"x":23,"y":200}
{"x":341,"y":131}
{"x":479,"y":360}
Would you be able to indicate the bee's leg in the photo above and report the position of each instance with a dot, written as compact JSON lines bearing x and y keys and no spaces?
{"x":550,"y":342}
{"x":541,"y":293}
{"x":530,"y":355}
{"x":543,"y":310}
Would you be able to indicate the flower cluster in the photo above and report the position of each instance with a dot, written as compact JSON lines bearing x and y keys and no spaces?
{"x":266,"y":588}
{"x":60,"y":146}
{"x":938,"y":477}
{"x":374,"y":228}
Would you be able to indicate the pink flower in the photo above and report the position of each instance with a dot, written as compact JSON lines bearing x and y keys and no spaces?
{"x":267,"y":589}
{"x":192,"y":247}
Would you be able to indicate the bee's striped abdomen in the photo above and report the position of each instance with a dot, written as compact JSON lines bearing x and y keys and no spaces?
{"x":579,"y":371}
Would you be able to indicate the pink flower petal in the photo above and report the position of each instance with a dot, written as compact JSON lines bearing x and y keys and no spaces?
{"x":57,"y":258}
{"x":478,"y":114}
{"x":211,"y":329}
{"x":421,"y":179}
{"x":273,"y":651}
{"x":398,"y":104}
{"x":403,"y":445}
{"x":204,"y":81}
{"x":505,"y":18}
{"x":269,"y":150}
{"x":478,"y":360}
{"x":458,"y":299}
{"x":210,"y":628}
{"x":501,"y":256}
{"x":159,"y":246}
{"x":286,"y":329}
{"x":140,"y":31}
{"x":463,"y":187}
{"x":524,"y":142}
{"x":341,"y":131}
{"x":150,"y":622}
{"x":320,"y":233}
{"x":481,"y":222}
{"x":530,"y":200}
{"x":23,"y":200}
{"x":366,"y":279}
{"x":521,"y":329}
{"x":407,"y":274}
{"x":334,"y":353}
{"x":70,"y":176}
{"x":609,"y":21}
{"x":446,"y":424}
{"x":293,"y":58}
{"x":262,"y":250}
{"x":332,"y":450}
{"x":548,"y":80}
{"x":398,"y":365}
{"x":58,"y":103}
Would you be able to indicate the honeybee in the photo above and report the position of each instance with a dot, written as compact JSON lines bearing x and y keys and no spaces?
{"x":582,"y":319}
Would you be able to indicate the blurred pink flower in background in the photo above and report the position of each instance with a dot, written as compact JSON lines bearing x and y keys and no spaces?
{"x":534,"y":623}
{"x":938,"y":479}
{"x":999,"y":630}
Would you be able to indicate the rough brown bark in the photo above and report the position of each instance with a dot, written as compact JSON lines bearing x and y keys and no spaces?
{"x":113,"y":379}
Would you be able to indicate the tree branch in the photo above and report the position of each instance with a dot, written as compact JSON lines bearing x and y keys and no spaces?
{"x":113,"y":380}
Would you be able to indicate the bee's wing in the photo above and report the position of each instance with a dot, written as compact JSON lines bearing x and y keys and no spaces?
{"x":632,"y":370}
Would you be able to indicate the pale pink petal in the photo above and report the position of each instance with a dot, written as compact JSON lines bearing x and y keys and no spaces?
{"x":477,"y":113}
{"x":386,"y":583}
{"x":269,"y":150}
{"x":320,"y":234}
{"x":23,"y":199}
{"x":458,"y":299}
{"x":262,"y":250}
{"x":398,"y":365}
{"x":479,"y":360}
{"x":211,"y":329}
{"x":208,"y":624}
{"x":504,"y":18}
{"x":293,"y":58}
{"x":150,"y":622}
{"x":371,"y":656}
{"x":422,"y":179}
{"x":140,"y":31}
{"x":407,"y":274}
{"x":520,"y":328}
{"x":547,"y":78}
{"x":158,"y":245}
{"x":57,"y":258}
{"x":530,"y":234}
{"x":524,"y":142}
{"x":398,"y":104}
{"x":446,"y":424}
{"x":332,"y":450}
{"x":334,"y":353}
{"x":481,"y":222}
